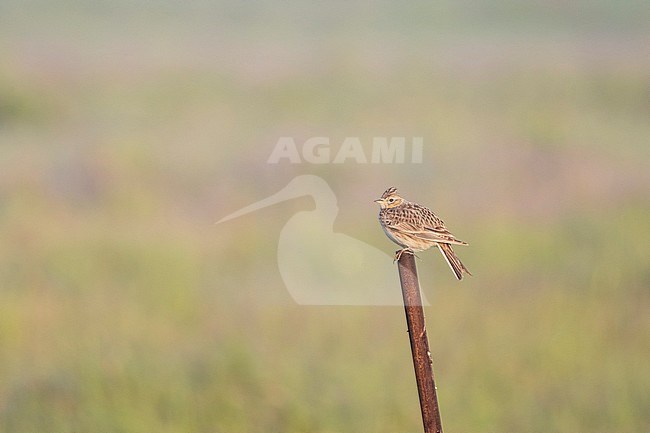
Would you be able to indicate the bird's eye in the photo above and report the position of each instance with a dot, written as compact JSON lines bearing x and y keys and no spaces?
{"x":390,"y":200}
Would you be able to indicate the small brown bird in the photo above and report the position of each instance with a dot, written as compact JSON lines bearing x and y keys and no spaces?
{"x":416,"y":228}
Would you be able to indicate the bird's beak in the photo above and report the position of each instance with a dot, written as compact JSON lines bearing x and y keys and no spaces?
{"x":378,"y":200}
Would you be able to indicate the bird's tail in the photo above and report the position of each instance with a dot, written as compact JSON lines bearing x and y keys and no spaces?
{"x":453,"y":261}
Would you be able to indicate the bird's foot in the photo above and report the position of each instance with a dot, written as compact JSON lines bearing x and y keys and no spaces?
{"x":398,"y":254}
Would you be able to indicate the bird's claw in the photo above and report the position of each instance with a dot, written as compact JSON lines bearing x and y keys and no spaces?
{"x":398,"y":254}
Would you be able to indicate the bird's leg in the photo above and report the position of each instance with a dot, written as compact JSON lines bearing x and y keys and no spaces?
{"x":398,"y":254}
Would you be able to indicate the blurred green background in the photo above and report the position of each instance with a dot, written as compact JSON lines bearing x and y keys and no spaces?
{"x":128,"y":127}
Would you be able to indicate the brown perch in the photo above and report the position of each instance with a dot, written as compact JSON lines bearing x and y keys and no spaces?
{"x":422,"y":361}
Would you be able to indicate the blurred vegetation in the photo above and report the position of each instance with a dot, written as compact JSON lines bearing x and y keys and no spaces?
{"x":128,"y":128}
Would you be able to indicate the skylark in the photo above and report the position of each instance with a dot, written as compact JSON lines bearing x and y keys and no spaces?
{"x":416,"y":228}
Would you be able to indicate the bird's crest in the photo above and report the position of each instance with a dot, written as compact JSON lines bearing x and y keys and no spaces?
{"x":390,"y":191}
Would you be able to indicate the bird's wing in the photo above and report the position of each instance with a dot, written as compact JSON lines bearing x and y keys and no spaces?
{"x":441,"y":232}
{"x":436,"y":234}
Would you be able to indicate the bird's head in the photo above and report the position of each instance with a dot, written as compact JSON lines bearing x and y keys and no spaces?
{"x":390,"y":199}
